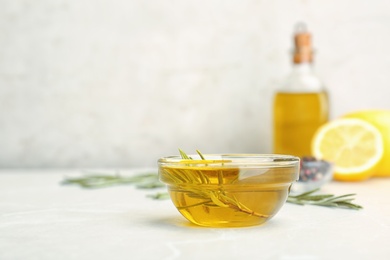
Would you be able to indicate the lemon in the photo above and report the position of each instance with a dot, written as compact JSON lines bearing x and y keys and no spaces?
{"x":381,"y":120}
{"x":353,"y":145}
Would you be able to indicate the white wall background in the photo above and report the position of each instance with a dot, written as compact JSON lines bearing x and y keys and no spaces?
{"x":119,"y":83}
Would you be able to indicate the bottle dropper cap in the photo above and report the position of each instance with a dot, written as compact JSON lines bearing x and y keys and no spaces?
{"x":302,"y":44}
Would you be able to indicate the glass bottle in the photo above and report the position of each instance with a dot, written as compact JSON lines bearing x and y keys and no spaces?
{"x":301,"y":104}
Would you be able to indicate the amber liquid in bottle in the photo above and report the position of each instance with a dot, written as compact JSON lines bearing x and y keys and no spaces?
{"x":297,"y":117}
{"x":301,"y":106}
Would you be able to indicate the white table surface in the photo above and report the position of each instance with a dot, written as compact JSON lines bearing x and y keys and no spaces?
{"x":41,"y":219}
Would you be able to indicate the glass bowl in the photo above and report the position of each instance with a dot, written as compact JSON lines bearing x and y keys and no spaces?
{"x":313,"y":175}
{"x":229,"y":190}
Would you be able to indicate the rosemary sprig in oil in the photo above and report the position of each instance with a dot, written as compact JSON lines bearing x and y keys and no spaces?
{"x":219,"y":198}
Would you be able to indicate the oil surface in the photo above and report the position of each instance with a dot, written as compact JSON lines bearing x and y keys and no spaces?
{"x":222,"y":198}
{"x":297,"y":116}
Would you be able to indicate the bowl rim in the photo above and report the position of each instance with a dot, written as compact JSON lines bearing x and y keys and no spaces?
{"x":231,"y":160}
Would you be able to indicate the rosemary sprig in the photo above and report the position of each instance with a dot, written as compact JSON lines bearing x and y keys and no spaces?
{"x":143,"y":181}
{"x":326,"y":200}
{"x":219,"y":198}
{"x":151,"y":181}
{"x":212,"y":198}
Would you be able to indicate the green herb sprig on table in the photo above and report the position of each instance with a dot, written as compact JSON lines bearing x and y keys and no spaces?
{"x":151,"y":181}
{"x":326,"y":200}
{"x":94,"y":181}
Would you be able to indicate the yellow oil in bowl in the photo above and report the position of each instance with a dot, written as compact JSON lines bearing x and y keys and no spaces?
{"x":229,"y":190}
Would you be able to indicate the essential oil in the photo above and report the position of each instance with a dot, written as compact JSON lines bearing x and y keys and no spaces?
{"x":228,"y":197}
{"x":297,"y":116}
{"x":301,"y":104}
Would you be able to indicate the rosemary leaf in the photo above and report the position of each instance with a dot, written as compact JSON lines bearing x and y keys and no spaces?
{"x":305,"y":194}
{"x":159,"y":196}
{"x":200,"y":154}
{"x":318,"y":197}
{"x":184,"y":155}
{"x":342,"y":196}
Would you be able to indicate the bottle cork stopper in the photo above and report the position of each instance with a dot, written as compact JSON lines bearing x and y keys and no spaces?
{"x":302,"y":45}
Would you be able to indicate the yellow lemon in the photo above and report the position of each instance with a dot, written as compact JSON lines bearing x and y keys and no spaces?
{"x":381,"y":120}
{"x":353,"y":145}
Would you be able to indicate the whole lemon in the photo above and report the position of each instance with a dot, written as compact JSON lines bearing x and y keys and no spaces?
{"x":381,"y":120}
